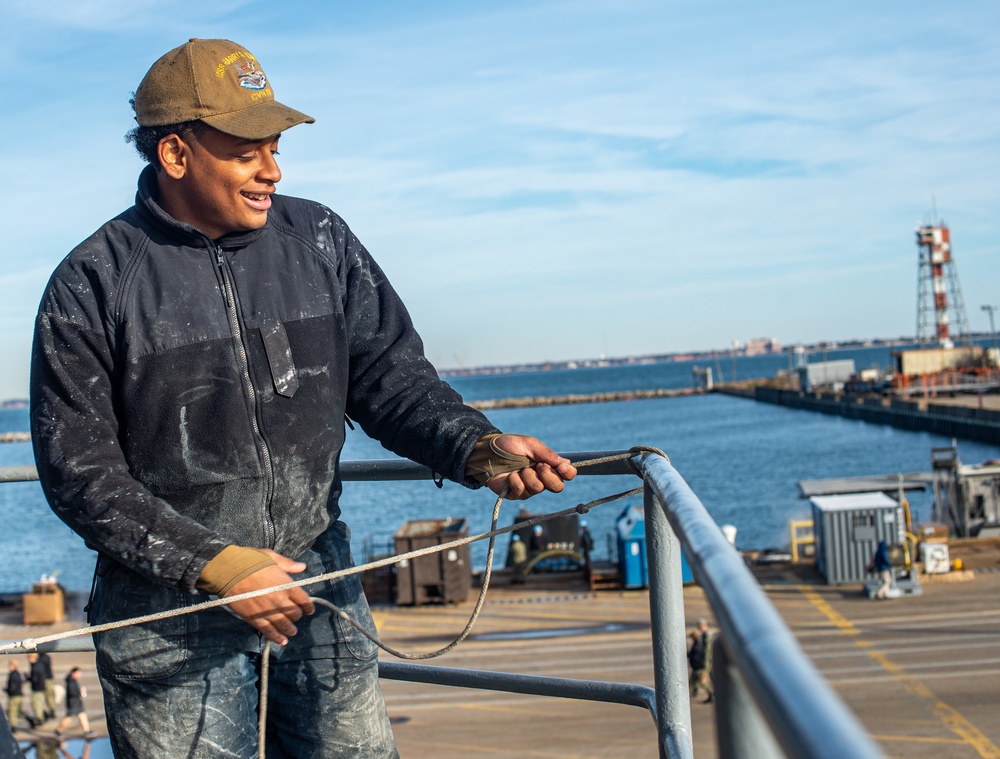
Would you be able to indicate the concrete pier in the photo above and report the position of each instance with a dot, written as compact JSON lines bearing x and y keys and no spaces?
{"x":970,"y":417}
{"x":563,"y":400}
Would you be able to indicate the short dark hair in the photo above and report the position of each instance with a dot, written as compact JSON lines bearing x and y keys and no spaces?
{"x":147,"y":138}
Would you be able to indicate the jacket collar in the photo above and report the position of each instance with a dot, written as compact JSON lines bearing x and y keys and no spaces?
{"x":147,"y":203}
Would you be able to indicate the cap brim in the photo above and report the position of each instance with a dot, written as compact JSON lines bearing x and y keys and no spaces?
{"x":258,"y":121}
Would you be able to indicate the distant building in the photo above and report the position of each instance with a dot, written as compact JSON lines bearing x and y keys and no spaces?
{"x":761,"y":345}
{"x":825,"y":374}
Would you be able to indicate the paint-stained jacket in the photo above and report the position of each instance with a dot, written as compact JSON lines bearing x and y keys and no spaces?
{"x":189,"y":394}
{"x":15,"y":683}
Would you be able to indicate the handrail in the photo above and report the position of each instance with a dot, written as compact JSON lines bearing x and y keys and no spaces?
{"x":807,"y":718}
{"x":771,"y":699}
{"x":375,"y":470}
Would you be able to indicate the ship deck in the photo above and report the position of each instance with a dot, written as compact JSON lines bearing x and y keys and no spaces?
{"x":921,"y":672}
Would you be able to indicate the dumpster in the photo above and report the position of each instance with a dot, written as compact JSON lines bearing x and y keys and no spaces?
{"x":631,"y":535}
{"x":442,"y":577}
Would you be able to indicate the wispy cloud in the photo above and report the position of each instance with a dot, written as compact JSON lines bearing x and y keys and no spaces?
{"x":697,"y":172}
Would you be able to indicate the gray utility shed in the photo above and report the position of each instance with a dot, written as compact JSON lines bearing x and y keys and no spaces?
{"x":825,"y":373}
{"x":848,"y":529}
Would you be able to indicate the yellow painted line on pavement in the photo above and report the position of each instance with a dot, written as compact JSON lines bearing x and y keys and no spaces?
{"x":841,"y":622}
{"x":917,"y":739}
{"x":969,"y":734}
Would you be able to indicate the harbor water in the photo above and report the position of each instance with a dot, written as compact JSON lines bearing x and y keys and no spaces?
{"x":742,"y":458}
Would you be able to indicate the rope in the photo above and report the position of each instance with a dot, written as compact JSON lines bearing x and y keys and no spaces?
{"x":582,"y":508}
{"x":265,"y":661}
{"x":492,"y":534}
{"x":30,"y":644}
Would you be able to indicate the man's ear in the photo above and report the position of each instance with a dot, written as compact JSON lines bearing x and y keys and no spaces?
{"x":173,"y":154}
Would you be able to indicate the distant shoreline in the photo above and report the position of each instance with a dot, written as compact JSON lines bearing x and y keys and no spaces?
{"x":641,"y":360}
{"x":828,"y":346}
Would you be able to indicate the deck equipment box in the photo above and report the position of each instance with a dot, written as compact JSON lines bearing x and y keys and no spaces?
{"x":441,"y":577}
{"x":935,"y":558}
{"x":848,"y":529}
{"x":44,"y":605}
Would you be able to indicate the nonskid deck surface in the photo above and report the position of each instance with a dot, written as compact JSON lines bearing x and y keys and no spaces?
{"x":922,"y":673}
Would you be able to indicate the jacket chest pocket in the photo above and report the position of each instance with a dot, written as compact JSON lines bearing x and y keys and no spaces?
{"x":279,"y":359}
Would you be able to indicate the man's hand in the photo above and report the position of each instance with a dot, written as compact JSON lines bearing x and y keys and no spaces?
{"x":549,"y":472}
{"x":275,"y":614}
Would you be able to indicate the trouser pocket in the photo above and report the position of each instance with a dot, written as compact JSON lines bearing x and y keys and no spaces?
{"x":145,"y":651}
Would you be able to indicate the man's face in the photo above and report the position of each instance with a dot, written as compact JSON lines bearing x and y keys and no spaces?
{"x":224,"y":184}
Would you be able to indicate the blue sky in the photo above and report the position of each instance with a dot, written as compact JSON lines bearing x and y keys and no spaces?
{"x":550,"y":180}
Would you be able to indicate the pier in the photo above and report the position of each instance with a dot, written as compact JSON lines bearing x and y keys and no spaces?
{"x":563,"y":400}
{"x":920,"y":672}
{"x":970,"y":417}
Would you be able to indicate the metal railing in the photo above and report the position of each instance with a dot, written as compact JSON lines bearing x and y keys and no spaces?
{"x":772,"y":702}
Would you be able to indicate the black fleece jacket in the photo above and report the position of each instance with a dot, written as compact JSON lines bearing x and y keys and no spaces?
{"x":189,"y":394}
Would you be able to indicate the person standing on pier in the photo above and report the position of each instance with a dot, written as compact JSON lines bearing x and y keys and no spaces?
{"x":194,"y":366}
{"x":517,"y":557}
{"x":586,"y":543}
{"x":700,"y":661}
{"x":15,"y":696}
{"x":50,"y":685}
{"x":36,"y":676}
{"x":538,"y":544}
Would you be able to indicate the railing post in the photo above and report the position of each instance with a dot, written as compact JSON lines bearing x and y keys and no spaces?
{"x":740,"y":727}
{"x":666,"y":612}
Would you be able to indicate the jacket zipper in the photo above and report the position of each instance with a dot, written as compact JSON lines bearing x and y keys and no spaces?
{"x":228,"y":294}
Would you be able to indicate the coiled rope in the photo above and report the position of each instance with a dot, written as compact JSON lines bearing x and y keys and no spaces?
{"x":30,"y":644}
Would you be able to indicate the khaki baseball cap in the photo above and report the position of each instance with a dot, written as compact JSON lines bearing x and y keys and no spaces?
{"x":217,"y":82}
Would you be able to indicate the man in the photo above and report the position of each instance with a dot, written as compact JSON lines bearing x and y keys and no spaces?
{"x":537,"y":541}
{"x":15,"y":696}
{"x":50,"y":685}
{"x":36,"y":676}
{"x":75,"y":693}
{"x":881,"y":564}
{"x":700,"y":660}
{"x":517,"y":557}
{"x":586,"y":543}
{"x":194,"y":363}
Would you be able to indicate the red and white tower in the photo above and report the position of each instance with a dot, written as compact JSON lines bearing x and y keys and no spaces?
{"x":940,"y":309}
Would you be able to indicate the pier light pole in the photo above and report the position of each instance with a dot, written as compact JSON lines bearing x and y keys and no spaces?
{"x":993,"y":332}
